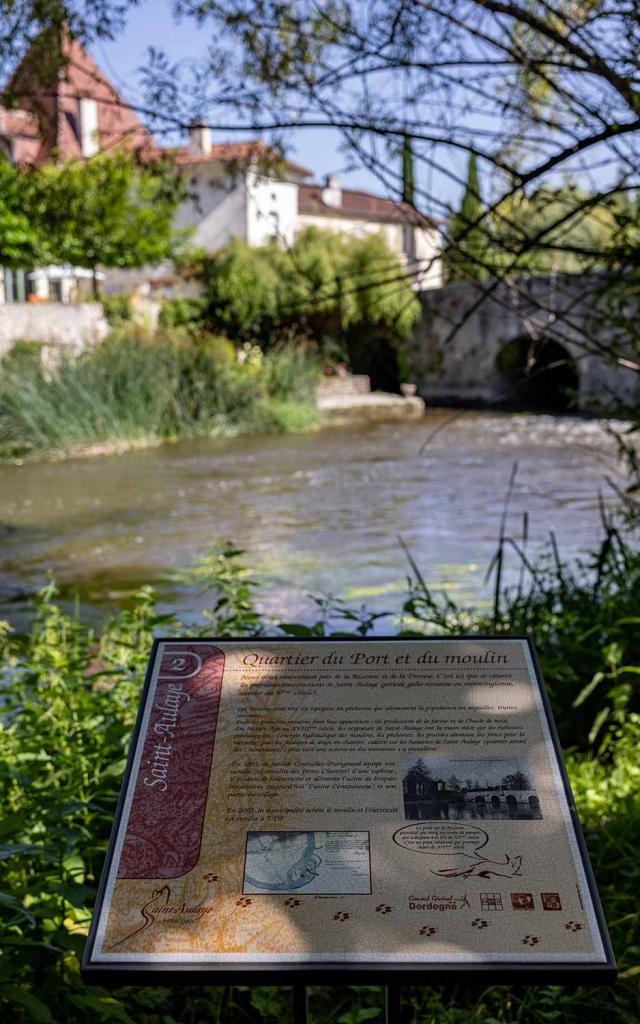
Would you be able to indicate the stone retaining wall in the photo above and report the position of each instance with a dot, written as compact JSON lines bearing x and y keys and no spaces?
{"x":56,"y":325}
{"x":350,"y":384}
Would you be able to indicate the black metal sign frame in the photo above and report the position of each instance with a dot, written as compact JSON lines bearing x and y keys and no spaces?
{"x":324,"y":972}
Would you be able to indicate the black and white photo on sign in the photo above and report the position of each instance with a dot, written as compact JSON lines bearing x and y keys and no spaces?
{"x":464,"y":789}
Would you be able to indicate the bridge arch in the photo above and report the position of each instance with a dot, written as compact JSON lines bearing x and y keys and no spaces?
{"x":538,"y":374}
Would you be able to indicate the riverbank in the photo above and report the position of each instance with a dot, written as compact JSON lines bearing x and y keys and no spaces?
{"x":134,"y":391}
{"x":77,"y":693}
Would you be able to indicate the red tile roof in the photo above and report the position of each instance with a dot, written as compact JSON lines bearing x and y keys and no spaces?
{"x":47,"y":118}
{"x":227,"y":152}
{"x":360,"y":205}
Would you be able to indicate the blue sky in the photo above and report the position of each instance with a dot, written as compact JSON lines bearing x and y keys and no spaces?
{"x":152,"y":24}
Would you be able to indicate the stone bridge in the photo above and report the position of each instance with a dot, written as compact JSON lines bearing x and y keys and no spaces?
{"x":523,"y":345}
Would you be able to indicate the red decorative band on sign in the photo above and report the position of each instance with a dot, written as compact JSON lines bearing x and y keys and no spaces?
{"x":164,"y":831}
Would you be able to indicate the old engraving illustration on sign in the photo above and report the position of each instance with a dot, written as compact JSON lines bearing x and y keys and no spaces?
{"x":356,"y":801}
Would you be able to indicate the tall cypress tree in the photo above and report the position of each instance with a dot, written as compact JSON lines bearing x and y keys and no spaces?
{"x":466,"y":249}
{"x":408,"y":182}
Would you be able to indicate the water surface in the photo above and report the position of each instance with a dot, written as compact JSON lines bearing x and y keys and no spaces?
{"x":317,"y":513}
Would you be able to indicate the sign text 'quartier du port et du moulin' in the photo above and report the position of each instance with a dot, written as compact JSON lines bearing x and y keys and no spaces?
{"x":333,"y":809}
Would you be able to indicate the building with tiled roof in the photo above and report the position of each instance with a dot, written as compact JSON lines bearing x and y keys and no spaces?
{"x":415,"y":238}
{"x":238,"y":189}
{"x":331,"y":200}
{"x":203,"y":151}
{"x":70,"y":116}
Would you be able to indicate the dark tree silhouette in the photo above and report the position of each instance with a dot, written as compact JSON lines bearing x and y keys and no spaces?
{"x":466,"y":250}
{"x":418,"y":770}
{"x":516,"y":780}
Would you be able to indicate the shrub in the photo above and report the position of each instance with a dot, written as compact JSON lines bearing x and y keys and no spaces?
{"x":136,"y":387}
{"x":118,"y":309}
{"x":180,"y":312}
{"x":326,"y":283}
{"x":23,"y":355}
{"x":66,"y":719}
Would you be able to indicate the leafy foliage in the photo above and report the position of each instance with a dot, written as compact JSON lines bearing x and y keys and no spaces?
{"x":22,"y":240}
{"x":181,"y":312}
{"x":112,"y":210}
{"x":69,"y":701}
{"x":558,"y":230}
{"x":466,"y":251}
{"x":118,"y":309}
{"x":325,"y":284}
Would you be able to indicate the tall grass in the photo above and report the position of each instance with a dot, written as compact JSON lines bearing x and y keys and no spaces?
{"x":134,"y":387}
{"x":584,"y":616}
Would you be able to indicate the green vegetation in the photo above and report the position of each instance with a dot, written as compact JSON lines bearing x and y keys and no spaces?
{"x":560,"y":230}
{"x":113,"y":210}
{"x":117,"y":309}
{"x":139,"y":388}
{"x":349,"y":296}
{"x":326,"y":283}
{"x":466,"y":250}
{"x":69,"y":702}
{"x":547,"y":230}
{"x":21,"y":242}
{"x":181,"y":312}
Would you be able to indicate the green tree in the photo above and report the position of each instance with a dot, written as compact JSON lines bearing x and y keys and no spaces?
{"x":111,"y":211}
{"x":466,"y":249}
{"x":581,"y":232}
{"x":325,"y":284}
{"x":23,"y":239}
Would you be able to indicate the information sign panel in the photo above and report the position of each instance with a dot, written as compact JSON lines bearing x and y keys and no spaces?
{"x":320,"y":809}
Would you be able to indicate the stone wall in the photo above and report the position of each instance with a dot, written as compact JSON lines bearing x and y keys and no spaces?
{"x":57,"y":326}
{"x":455,"y":349}
{"x":350,"y":384}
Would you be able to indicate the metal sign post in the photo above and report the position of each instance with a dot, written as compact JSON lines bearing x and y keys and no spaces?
{"x":392,"y":1004}
{"x":300,"y":1004}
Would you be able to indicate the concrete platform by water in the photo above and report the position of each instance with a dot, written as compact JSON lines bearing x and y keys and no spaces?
{"x":341,"y":410}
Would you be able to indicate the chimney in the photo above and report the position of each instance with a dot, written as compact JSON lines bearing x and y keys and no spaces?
{"x":200,"y":139}
{"x":88,"y":117}
{"x":332,"y":192}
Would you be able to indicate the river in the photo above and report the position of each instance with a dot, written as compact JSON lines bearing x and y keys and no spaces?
{"x":316,"y":513}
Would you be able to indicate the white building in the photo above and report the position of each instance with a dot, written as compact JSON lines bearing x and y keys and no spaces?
{"x":238,"y":189}
{"x":416,"y":239}
{"x":236,"y":194}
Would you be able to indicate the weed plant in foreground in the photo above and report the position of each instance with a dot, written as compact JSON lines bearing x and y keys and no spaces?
{"x":69,"y":701}
{"x":138,"y":388}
